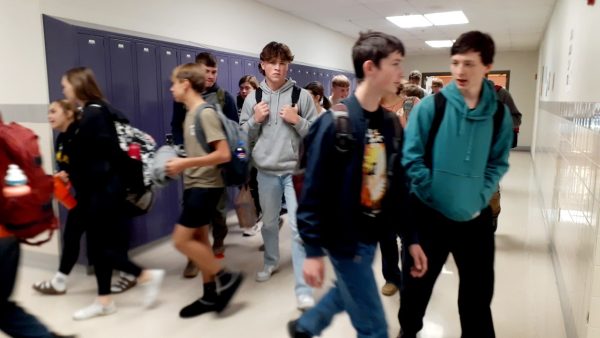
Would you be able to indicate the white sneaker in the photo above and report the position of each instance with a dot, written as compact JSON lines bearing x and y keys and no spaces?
{"x":305,"y":302}
{"x":265,"y":274}
{"x":95,"y":310}
{"x":253,"y":230}
{"x":152,"y":287}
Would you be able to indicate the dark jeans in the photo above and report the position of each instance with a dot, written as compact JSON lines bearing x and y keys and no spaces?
{"x":472,"y":246}
{"x":14,"y":321}
{"x":390,"y":259}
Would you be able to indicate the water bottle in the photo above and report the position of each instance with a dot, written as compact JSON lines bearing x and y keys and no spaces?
{"x":240,"y":151}
{"x":63,"y":194}
{"x":15,"y":182}
{"x":134,"y":151}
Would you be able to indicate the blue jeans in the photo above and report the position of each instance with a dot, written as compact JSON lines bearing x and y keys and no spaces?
{"x":271,"y":188}
{"x":15,"y":321}
{"x":355,"y":292}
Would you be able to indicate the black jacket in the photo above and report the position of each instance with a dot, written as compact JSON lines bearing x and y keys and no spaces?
{"x":229,"y":109}
{"x":329,"y":213}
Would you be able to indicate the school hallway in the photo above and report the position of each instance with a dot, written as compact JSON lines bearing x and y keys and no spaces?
{"x":526,"y":300}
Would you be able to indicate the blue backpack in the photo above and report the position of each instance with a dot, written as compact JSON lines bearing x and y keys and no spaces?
{"x":237,"y":170}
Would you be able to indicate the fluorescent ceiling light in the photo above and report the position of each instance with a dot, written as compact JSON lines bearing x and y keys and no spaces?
{"x":447,"y":18}
{"x":409,"y":21}
{"x":440,"y":43}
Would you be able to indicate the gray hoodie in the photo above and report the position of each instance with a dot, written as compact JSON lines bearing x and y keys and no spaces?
{"x":276,"y":142}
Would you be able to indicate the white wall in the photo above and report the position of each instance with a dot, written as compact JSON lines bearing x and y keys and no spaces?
{"x":522,"y":66}
{"x":567,"y":159}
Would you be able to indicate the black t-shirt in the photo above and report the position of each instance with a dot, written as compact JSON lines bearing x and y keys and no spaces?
{"x":374,"y":177}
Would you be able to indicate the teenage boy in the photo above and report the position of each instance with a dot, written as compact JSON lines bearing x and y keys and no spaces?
{"x":214,"y":95}
{"x":275,"y":127}
{"x":348,"y":200}
{"x":203,"y":188}
{"x":340,"y":89}
{"x":452,"y":176}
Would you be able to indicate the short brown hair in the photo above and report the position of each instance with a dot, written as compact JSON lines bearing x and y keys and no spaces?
{"x":193,"y":73}
{"x":275,"y":50}
{"x":84,"y":84}
{"x":437,"y":82}
{"x":412,"y":90}
{"x":340,"y":80}
{"x":207,"y":59}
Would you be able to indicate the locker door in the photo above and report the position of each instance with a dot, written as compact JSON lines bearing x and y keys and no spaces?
{"x":223,"y":72}
{"x":236,"y":69}
{"x":123,"y":84}
{"x":299,"y":70}
{"x":161,"y":217}
{"x":168,"y":61}
{"x":187,"y":56}
{"x":327,"y":83}
{"x":92,"y":54}
{"x":151,"y":119}
{"x":251,"y":68}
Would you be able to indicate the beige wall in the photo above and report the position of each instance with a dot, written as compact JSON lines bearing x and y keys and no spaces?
{"x":567,"y":159}
{"x":522,"y":66}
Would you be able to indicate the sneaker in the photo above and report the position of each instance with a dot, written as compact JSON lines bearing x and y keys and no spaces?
{"x":56,"y":335}
{"x":253,"y":230}
{"x":191,"y":270}
{"x":152,"y":287}
{"x":292,"y":327}
{"x":389,"y":289}
{"x":95,"y":310}
{"x":305,"y":302}
{"x":265,"y":274}
{"x":197,"y":308}
{"x":227,"y":285}
{"x":47,"y":288}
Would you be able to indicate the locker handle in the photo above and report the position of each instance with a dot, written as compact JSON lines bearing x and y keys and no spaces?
{"x":120,"y":45}
{"x":91,"y":42}
{"x":168,"y":52}
{"x":146,"y":49}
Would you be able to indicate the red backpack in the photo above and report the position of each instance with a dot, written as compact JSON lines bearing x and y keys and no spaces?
{"x":30,"y":215}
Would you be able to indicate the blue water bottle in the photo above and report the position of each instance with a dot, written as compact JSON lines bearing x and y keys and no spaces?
{"x":240,"y":151}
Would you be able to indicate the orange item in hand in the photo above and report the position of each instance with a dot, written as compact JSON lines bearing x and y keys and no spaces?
{"x":62,"y":192}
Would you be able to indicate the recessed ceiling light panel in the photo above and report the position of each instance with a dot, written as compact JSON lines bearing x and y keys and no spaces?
{"x":409,"y":21}
{"x":447,"y":18}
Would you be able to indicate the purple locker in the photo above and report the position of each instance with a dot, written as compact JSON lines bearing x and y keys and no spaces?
{"x":251,"y":68}
{"x":236,"y":69}
{"x":223,"y":74}
{"x":187,"y":56}
{"x":168,"y":61}
{"x":92,"y":55}
{"x":122,"y":78}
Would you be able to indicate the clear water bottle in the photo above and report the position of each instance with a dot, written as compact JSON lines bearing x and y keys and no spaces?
{"x":15,"y":182}
{"x":240,"y":151}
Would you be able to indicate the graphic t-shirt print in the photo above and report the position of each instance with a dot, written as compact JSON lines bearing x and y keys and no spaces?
{"x":374,"y":183}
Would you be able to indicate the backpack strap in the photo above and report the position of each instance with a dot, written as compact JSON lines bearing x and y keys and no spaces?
{"x":440,"y":108}
{"x":295,"y":96}
{"x":438,"y":116}
{"x":344,"y":137}
{"x":200,"y":136}
{"x":221,"y":97}
{"x":258,"y":94}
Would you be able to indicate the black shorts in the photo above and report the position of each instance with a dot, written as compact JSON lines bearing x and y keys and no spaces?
{"x":199,"y":206}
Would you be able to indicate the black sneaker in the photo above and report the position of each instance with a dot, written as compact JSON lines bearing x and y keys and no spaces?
{"x":403,"y":334}
{"x":292,"y":327}
{"x":197,"y":308}
{"x":56,"y":335}
{"x":227,"y":285}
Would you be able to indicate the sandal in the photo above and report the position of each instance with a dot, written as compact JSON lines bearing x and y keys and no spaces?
{"x":123,"y":284}
{"x":46,"y":288}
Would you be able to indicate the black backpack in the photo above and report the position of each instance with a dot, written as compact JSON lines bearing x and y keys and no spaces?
{"x":344,"y":142}
{"x":440,"y":110}
{"x":295,"y":95}
{"x":236,"y":171}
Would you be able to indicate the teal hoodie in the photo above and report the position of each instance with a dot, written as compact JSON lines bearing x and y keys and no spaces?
{"x":466,"y":166}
